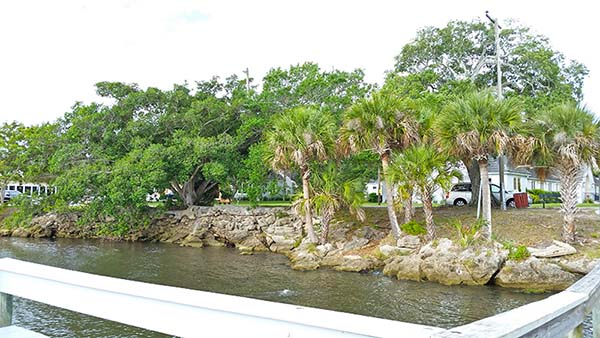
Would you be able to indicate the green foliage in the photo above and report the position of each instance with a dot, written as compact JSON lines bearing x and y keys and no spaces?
{"x":373,"y":198}
{"x":25,"y":209}
{"x":450,"y":56}
{"x":467,"y":234}
{"x":414,"y":228}
{"x":516,"y":253}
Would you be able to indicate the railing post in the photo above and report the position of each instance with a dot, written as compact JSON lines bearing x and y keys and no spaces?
{"x":596,"y":320}
{"x":577,"y":332}
{"x":6,"y":308}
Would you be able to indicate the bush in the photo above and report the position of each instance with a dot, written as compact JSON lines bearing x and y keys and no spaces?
{"x":414,"y":228}
{"x":550,"y":196}
{"x":373,"y":198}
{"x":468,"y":234}
{"x":516,"y":253}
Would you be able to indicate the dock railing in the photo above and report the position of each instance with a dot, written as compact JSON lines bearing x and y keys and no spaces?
{"x":183,"y":312}
{"x":191,"y":313}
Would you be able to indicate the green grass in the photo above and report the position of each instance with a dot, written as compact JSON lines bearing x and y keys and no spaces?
{"x":557,"y":205}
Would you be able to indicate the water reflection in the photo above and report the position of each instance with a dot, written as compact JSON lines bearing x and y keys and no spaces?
{"x":262,"y":276}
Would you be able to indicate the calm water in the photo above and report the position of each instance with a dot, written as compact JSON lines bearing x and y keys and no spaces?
{"x":262,"y":276}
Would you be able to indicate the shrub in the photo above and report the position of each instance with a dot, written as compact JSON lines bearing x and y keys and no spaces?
{"x":468,"y":234}
{"x":414,"y":228}
{"x":373,"y":198}
{"x":516,"y":253}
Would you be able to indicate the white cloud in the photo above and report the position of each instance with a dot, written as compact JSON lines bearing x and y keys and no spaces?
{"x":52,"y":52}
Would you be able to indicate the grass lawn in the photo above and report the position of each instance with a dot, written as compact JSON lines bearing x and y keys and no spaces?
{"x":557,"y":205}
{"x":529,"y":227}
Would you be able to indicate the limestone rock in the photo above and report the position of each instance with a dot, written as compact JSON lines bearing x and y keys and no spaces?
{"x":304,"y":260}
{"x":557,"y":249}
{"x":535,"y":273}
{"x":21,"y":232}
{"x":324,"y":249}
{"x":451,"y":264}
{"x":192,"y":241}
{"x":409,"y":241}
{"x":404,"y":267}
{"x":581,"y":266}
{"x":355,"y":243}
{"x":389,"y":250}
{"x":354,"y":263}
{"x":5,"y":232}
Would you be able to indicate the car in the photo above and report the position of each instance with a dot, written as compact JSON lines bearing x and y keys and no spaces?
{"x":10,"y":194}
{"x":460,"y":195}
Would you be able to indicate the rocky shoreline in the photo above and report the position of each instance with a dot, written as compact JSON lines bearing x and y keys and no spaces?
{"x":352,"y":247}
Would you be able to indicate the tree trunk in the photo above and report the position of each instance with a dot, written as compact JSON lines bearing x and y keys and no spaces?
{"x":428,"y":211}
{"x":2,"y":192}
{"x":389,"y":196}
{"x":475,"y":178}
{"x":408,"y":208}
{"x":486,"y":206}
{"x":570,"y":179}
{"x":325,"y":228}
{"x":310,"y":231}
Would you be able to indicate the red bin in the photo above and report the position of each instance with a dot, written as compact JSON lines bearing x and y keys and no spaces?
{"x":521,"y":200}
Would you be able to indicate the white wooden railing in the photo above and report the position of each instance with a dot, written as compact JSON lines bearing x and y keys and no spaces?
{"x":183,"y":312}
{"x":190,"y":313}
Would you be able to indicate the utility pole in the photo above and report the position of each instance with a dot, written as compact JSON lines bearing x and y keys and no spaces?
{"x":247,"y":72}
{"x":499,"y":84}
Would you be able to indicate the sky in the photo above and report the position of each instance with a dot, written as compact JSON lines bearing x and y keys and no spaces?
{"x":53,"y":52}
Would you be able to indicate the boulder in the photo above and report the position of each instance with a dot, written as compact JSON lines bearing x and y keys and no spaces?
{"x":192,"y":241}
{"x":5,"y":232}
{"x":404,"y":267}
{"x":355,"y":243}
{"x":21,"y":232}
{"x":556,"y":249}
{"x":581,"y":265}
{"x":354,"y":263}
{"x":535,"y":273}
{"x":304,"y":260}
{"x":451,"y":264}
{"x":389,"y":250}
{"x":409,"y":241}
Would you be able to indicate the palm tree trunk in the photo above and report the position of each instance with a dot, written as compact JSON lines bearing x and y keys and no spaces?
{"x":486,"y":206}
{"x":428,"y":211}
{"x":325,"y":228}
{"x":310,"y":231}
{"x":389,"y":196}
{"x":409,"y":210}
{"x":475,"y":179}
{"x":570,"y":179}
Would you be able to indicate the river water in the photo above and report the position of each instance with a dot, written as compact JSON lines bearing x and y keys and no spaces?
{"x":263,"y":276}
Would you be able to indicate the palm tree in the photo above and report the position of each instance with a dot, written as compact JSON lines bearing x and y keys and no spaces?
{"x":299,"y":136}
{"x":476,"y":127}
{"x":426,"y":168}
{"x":566,"y":138}
{"x":332,"y":193}
{"x":380,"y":124}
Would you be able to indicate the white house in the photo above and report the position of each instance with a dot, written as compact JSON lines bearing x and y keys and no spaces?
{"x":517,"y":179}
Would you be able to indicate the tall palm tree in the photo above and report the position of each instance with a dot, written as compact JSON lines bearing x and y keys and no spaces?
{"x":426,"y":168}
{"x":476,"y":127}
{"x":566,"y":139}
{"x":332,"y":193}
{"x":298,"y":137}
{"x":380,"y":124}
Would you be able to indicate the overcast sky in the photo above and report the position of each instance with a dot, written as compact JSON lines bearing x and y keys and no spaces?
{"x":53,"y":52}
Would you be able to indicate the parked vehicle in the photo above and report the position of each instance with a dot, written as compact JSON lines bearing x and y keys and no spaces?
{"x":9,"y":194}
{"x":460,"y":195}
